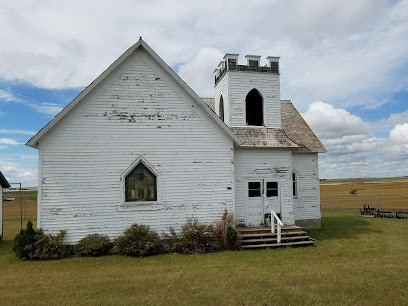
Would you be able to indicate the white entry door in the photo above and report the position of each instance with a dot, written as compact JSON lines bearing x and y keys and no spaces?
{"x":255,"y":214}
{"x":262,"y":195}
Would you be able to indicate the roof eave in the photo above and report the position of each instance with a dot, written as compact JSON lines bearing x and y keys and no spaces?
{"x":33,"y":142}
{"x":3,"y":182}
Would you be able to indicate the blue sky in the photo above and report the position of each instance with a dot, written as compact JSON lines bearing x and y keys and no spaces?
{"x":344,"y":66}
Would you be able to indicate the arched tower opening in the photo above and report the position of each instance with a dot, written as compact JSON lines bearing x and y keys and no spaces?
{"x":254,"y":108}
{"x":221,"y":109}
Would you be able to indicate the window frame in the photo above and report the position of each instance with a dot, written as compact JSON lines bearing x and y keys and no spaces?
{"x":275,"y":188}
{"x":295,"y":184}
{"x":136,"y":162}
{"x":264,"y":113}
{"x":221,"y":109}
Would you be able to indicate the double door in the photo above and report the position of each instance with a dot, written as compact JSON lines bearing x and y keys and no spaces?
{"x":262,"y":195}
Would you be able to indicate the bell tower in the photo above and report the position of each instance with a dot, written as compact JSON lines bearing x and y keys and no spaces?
{"x":248,"y":95}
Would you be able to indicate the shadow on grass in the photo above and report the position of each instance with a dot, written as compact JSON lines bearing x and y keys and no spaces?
{"x":342,"y":226}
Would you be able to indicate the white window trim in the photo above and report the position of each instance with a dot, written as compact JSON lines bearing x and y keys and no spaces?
{"x":123,"y":187}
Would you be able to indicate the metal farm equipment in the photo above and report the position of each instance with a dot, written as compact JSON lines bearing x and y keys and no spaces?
{"x":368,"y":211}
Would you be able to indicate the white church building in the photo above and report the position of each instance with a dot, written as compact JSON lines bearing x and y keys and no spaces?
{"x":139,"y":146}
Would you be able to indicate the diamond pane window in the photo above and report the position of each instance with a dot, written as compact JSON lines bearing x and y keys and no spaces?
{"x":141,"y":184}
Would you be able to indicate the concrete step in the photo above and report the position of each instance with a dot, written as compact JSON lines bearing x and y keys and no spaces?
{"x":278,"y":245}
{"x":275,"y":239}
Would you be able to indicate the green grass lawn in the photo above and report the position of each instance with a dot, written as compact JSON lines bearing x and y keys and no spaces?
{"x":355,"y":261}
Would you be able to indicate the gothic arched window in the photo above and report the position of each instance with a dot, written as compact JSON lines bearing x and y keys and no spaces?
{"x":140,"y":184}
{"x":254,"y":108}
{"x":221,"y":109}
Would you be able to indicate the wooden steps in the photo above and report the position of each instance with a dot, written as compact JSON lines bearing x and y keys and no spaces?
{"x":261,"y":237}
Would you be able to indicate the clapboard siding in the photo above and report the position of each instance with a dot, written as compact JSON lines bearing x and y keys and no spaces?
{"x":263,"y":164}
{"x":240,"y":83}
{"x":221,"y":89}
{"x":307,"y":203}
{"x":140,"y":112}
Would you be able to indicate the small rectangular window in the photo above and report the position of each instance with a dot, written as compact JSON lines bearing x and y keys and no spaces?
{"x":254,"y":189}
{"x":275,"y":67}
{"x":232,"y":62}
{"x":294,"y":184}
{"x":252,"y":63}
{"x":271,"y":189}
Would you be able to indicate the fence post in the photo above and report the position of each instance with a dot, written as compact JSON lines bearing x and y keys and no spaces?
{"x":337,"y":201}
{"x":380,"y":200}
{"x":356,"y":202}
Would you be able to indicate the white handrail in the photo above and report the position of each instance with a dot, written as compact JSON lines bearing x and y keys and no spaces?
{"x":278,"y":223}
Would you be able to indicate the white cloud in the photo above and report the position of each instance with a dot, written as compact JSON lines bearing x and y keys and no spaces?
{"x":346,"y":54}
{"x":44,"y":108}
{"x":399,"y":134}
{"x":10,"y":131}
{"x":197,"y":73}
{"x":3,"y":147}
{"x":19,"y":173}
{"x":398,"y":118}
{"x":350,"y":55}
{"x":336,"y":125}
{"x":8,"y":96}
{"x":20,"y":168}
{"x":47,"y":108}
{"x":8,"y":141}
{"x":353,"y":151}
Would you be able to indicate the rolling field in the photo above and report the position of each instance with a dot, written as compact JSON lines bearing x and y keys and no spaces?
{"x":28,"y":202}
{"x":384,"y":193}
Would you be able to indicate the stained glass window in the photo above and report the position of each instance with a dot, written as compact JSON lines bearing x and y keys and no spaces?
{"x":141,"y":184}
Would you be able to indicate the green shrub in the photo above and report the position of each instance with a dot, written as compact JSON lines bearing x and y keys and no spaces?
{"x":138,"y":240}
{"x":93,"y":245}
{"x":194,"y":238}
{"x":231,"y":238}
{"x":49,"y":246}
{"x":220,"y":229}
{"x":24,"y":240}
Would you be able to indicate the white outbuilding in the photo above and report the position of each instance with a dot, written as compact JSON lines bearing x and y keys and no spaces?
{"x":3,"y":184}
{"x":139,"y":146}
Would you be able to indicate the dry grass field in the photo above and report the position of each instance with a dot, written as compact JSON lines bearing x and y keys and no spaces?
{"x":28,"y":203}
{"x":384,"y":193}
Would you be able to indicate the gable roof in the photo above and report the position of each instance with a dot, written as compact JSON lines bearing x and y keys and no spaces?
{"x":3,"y":181}
{"x":33,"y":142}
{"x":295,"y":133}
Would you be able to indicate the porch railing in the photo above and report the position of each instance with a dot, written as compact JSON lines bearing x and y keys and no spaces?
{"x":278,"y":223}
